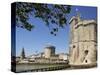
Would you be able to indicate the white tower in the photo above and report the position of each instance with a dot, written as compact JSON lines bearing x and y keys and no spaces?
{"x":49,"y":51}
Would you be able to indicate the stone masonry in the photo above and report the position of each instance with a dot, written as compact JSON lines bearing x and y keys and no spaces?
{"x":83,"y":41}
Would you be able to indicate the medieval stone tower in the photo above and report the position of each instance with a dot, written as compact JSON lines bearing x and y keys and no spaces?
{"x":49,"y":51}
{"x":83,"y":41}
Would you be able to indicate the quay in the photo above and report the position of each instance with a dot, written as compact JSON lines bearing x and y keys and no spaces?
{"x":40,"y":67}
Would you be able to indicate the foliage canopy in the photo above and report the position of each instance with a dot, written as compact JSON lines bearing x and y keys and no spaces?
{"x":49,"y":13}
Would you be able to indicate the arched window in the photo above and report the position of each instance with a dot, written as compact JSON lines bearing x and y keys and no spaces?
{"x":73,"y":46}
{"x":86,"y":52}
{"x":85,"y":61}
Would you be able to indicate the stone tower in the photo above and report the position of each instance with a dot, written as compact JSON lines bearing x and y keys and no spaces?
{"x":22,"y":54}
{"x":83,"y":41}
{"x":49,"y":51}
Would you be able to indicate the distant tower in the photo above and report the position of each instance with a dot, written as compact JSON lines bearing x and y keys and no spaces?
{"x":49,"y":51}
{"x":83,"y":41}
{"x":22,"y":54}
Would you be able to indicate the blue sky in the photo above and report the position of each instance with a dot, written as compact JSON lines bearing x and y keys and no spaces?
{"x":40,"y":36}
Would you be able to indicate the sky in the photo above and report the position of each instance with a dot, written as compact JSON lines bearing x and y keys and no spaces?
{"x":37,"y":39}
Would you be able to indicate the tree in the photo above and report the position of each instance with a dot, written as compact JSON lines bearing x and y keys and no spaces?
{"x":49,"y":13}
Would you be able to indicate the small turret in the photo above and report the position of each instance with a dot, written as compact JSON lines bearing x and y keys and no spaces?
{"x":75,"y":19}
{"x":78,"y":17}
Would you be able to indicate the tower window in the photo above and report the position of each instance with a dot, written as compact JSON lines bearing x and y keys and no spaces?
{"x":73,"y":46}
{"x":85,"y":61}
{"x":86,"y":52}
